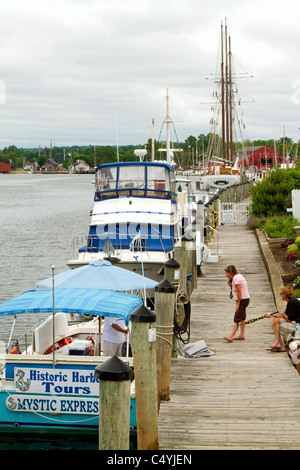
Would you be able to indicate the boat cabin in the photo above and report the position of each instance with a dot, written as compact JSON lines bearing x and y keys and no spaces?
{"x":135,"y":179}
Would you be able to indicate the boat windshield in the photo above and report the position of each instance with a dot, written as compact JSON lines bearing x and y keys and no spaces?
{"x":158,"y":178}
{"x":106,"y":178}
{"x":133,"y":180}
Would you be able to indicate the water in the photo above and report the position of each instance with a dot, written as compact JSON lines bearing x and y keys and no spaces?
{"x":40,"y":215}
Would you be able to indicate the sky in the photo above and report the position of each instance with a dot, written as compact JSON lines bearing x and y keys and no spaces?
{"x":96,"y":72}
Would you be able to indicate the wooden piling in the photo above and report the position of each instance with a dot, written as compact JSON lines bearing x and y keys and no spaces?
{"x":143,"y":335}
{"x":180,"y":255}
{"x":189,"y":247}
{"x":171,"y":271}
{"x":171,"y":274}
{"x":114,"y":404}
{"x":164,"y":309}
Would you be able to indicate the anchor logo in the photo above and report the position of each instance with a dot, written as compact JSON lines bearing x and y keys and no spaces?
{"x":20,"y":383}
{"x":11,"y":403}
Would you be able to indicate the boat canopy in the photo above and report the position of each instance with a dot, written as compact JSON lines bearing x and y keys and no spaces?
{"x":138,"y":179}
{"x":99,"y":275}
{"x":82,"y":301}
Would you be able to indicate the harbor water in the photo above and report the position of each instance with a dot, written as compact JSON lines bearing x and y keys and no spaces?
{"x":40,"y":215}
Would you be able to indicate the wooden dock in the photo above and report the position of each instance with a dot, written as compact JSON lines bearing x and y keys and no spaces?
{"x":243,"y":397}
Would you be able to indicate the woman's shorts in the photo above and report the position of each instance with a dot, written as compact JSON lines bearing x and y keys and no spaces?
{"x":240,"y":314}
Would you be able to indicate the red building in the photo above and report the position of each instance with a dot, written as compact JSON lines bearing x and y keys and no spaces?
{"x":4,"y":167}
{"x":261,"y":157}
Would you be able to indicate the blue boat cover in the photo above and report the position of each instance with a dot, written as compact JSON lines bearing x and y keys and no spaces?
{"x":99,"y":275}
{"x":81,"y":301}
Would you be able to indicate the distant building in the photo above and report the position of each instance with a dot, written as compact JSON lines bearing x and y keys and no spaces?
{"x":50,"y":165}
{"x":32,"y":166}
{"x":4,"y":167}
{"x":80,"y":166}
{"x":261,"y":157}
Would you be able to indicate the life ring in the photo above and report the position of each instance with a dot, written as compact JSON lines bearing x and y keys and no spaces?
{"x":60,"y":344}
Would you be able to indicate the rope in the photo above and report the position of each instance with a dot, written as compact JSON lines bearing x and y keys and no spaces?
{"x":165,"y":334}
{"x":184,"y":328}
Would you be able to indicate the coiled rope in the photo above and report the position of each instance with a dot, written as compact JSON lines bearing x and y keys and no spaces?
{"x":179,"y":330}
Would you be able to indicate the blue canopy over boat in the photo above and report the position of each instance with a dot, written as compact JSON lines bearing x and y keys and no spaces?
{"x":100,"y":275}
{"x":81,"y":301}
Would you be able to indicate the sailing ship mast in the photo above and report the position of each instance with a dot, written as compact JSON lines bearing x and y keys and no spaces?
{"x":223,"y":93}
{"x":167,"y":121}
{"x":226,"y":87}
{"x":224,"y":79}
{"x":168,"y":127}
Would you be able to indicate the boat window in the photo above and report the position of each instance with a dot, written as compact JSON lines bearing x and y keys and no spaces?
{"x":106,"y":179}
{"x":172,"y":182}
{"x":158,"y":178}
{"x":130,"y":180}
{"x":131,"y":176}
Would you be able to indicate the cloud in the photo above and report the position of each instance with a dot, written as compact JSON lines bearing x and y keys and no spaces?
{"x":94,"y":71}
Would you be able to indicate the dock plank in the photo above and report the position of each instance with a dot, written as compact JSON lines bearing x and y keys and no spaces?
{"x":244,"y":397}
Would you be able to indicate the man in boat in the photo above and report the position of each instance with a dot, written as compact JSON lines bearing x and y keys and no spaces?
{"x":113,"y":336}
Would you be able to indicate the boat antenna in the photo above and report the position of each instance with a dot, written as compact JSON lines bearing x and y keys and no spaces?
{"x":116,"y":125}
{"x":53,"y":317}
{"x":152,"y":143}
{"x":168,"y":128}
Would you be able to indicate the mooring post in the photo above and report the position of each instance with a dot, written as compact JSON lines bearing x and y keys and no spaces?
{"x":143,"y":336}
{"x":188,"y":247}
{"x":200,"y":218}
{"x":180,"y":255}
{"x":192,"y":258}
{"x":164,"y":309}
{"x":171,"y":273}
{"x":114,"y":377}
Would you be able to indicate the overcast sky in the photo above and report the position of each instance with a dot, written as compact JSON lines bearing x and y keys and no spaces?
{"x":96,"y":71}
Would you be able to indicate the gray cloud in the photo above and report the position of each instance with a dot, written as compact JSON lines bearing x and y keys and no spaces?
{"x":94,"y":71}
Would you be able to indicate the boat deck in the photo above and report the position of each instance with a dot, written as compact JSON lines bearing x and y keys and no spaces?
{"x":243,"y":397}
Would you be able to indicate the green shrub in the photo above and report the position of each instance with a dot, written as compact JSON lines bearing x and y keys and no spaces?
{"x":280,"y":226}
{"x":296,"y":283}
{"x":297,"y":293}
{"x":256,"y":222}
{"x":270,"y":196}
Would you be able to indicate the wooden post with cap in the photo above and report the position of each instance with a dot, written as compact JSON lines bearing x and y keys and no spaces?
{"x":143,"y":343}
{"x":171,"y":273}
{"x":189,"y":246}
{"x":164,"y":309}
{"x":114,"y":377}
{"x":180,"y":255}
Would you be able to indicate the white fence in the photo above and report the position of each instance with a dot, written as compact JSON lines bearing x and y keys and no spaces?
{"x":233,"y":213}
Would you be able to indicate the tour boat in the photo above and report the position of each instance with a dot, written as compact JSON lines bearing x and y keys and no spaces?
{"x":48,"y":386}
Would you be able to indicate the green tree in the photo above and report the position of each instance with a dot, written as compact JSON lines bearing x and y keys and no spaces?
{"x":105,"y":155}
{"x":270,"y":196}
